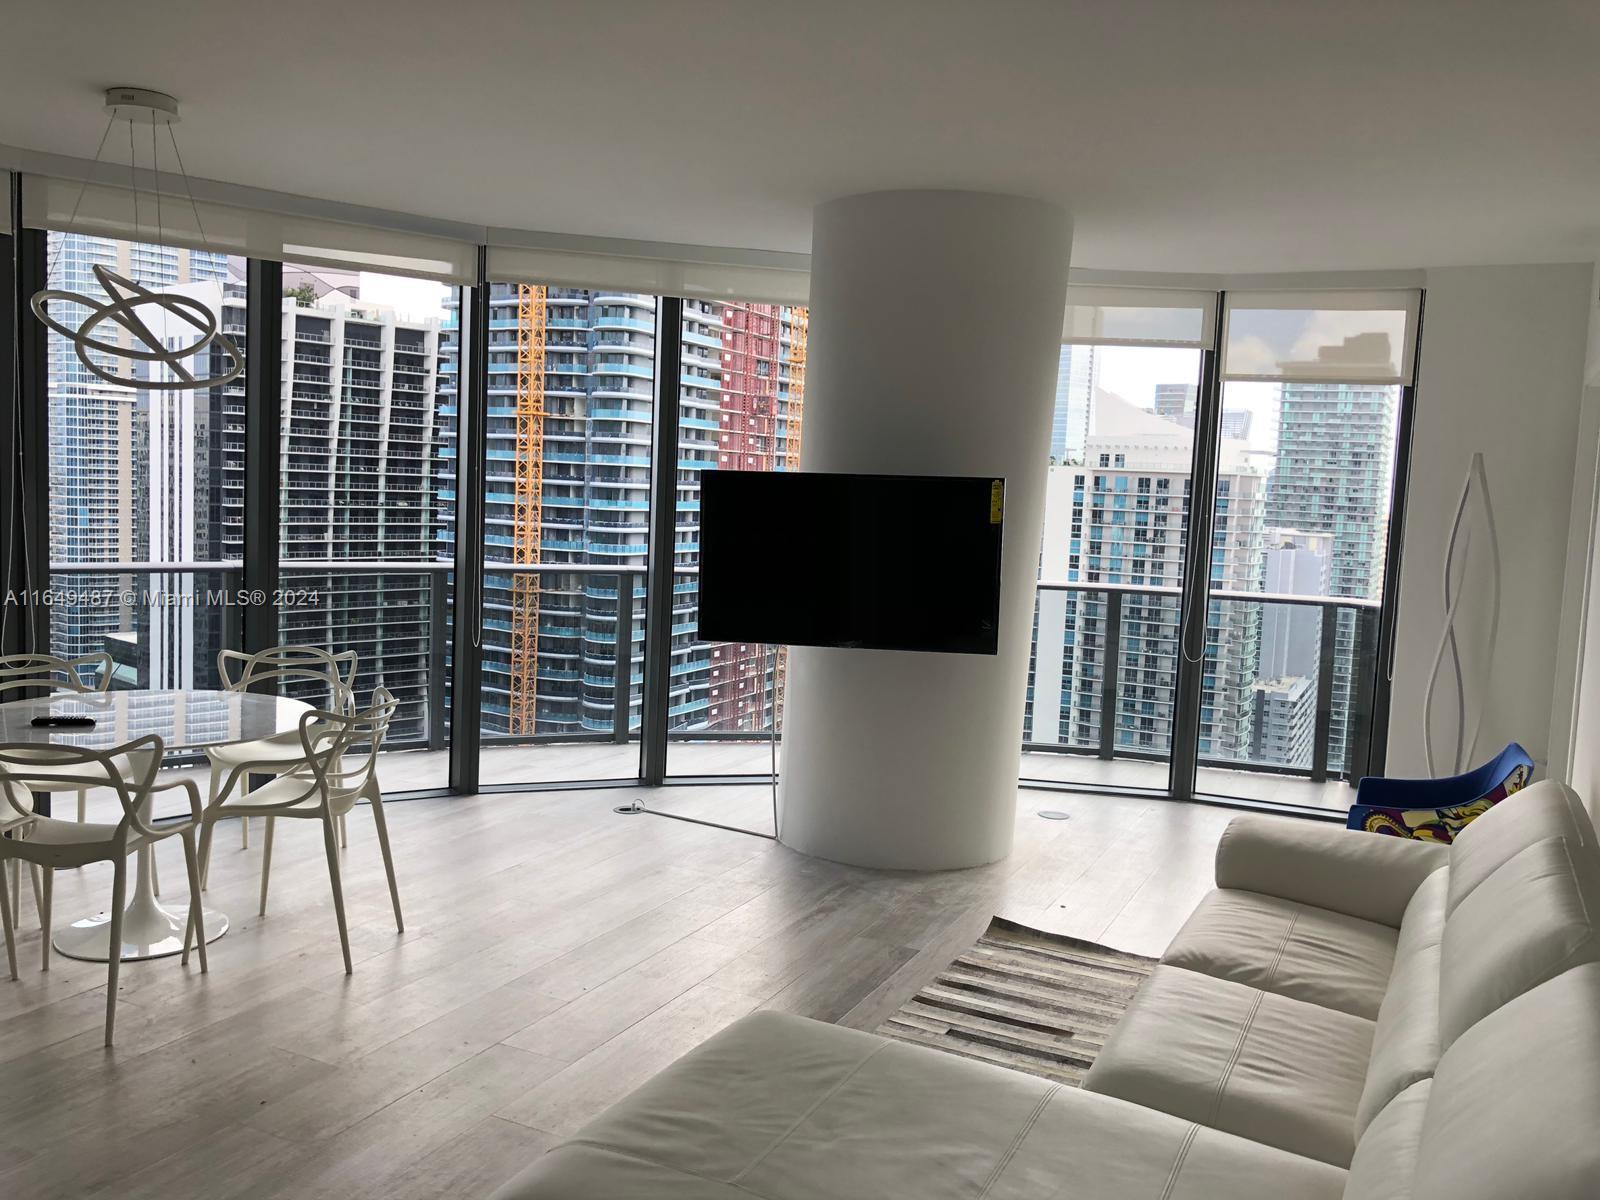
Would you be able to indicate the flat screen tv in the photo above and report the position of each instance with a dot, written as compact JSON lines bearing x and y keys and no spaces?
{"x":879,"y":562}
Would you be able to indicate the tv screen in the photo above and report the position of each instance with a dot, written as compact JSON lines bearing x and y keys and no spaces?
{"x":881,"y":562}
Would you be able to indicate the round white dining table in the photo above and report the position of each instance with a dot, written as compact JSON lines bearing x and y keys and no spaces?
{"x":185,"y":720}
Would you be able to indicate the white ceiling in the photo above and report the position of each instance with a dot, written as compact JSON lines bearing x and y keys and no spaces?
{"x":1185,"y":135}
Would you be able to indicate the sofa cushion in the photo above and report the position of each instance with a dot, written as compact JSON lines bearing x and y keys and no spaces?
{"x":1542,"y":810}
{"x":1515,"y":1103}
{"x":1090,"y":1145}
{"x":1405,"y":1044}
{"x":1527,"y":922}
{"x":1292,"y":949}
{"x":1267,"y":1067}
{"x":1385,"y":1161}
{"x":781,"y":1108}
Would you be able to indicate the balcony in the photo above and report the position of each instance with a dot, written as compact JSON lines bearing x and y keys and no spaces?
{"x":1265,"y":737}
{"x":1286,"y":682}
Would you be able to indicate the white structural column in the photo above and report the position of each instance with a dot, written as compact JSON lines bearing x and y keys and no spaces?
{"x":933,"y":346}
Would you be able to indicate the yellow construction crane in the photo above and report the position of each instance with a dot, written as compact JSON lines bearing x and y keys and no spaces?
{"x":528,"y":514}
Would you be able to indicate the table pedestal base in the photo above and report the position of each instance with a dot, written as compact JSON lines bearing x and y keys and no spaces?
{"x":148,"y":930}
{"x":159,"y":935}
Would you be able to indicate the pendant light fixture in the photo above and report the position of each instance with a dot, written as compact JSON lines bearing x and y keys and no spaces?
{"x":128,"y":302}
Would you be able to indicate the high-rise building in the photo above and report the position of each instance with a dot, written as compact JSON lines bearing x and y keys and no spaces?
{"x":758,"y":405}
{"x":1122,"y":518}
{"x":368,"y":472}
{"x":1069,"y":429}
{"x":359,"y":430}
{"x":1176,"y":402}
{"x":1285,"y":721}
{"x":1236,"y":423}
{"x":741,"y":404}
{"x":191,"y":505}
{"x":573,"y":491}
{"x":98,"y":435}
{"x":1335,"y":468}
{"x":1334,"y":473}
{"x":740,"y":408}
{"x":1295,"y":564}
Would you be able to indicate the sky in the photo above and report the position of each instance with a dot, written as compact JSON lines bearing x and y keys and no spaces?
{"x":1133,"y":372}
{"x":412,"y":299}
{"x":1259,"y":339}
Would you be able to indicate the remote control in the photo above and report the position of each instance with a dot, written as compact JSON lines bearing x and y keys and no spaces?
{"x":64,"y":722}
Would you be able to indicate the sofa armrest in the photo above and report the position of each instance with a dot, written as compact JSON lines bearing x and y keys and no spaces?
{"x":1362,"y":875}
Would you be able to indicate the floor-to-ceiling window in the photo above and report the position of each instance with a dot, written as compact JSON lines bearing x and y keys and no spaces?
{"x":1312,"y":391}
{"x":366,"y":451}
{"x":146,"y":480}
{"x":740,"y":408}
{"x":1102,"y":697}
{"x":1282,"y":444}
{"x":1257,"y":680}
{"x":571,"y":403}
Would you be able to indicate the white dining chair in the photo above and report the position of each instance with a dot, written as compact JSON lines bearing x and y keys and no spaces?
{"x":51,"y":845}
{"x":280,"y":664}
{"x":21,"y":672}
{"x":15,"y":821}
{"x":87,"y":674}
{"x":338,"y":767}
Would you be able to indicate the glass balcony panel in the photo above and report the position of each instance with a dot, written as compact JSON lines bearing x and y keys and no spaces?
{"x":1305,"y":477}
{"x":726,"y":698}
{"x":161,"y":628}
{"x":565,"y":542}
{"x":1111,"y":565}
{"x":142,"y":473}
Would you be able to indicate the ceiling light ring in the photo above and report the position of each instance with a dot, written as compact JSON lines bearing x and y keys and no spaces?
{"x":140,"y":106}
{"x":120,"y":309}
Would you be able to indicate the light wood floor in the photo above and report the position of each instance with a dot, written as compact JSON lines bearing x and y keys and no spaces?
{"x":556,"y":955}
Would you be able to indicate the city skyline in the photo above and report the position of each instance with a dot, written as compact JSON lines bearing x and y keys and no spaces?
{"x":369,"y":410}
{"x":1306,"y":515}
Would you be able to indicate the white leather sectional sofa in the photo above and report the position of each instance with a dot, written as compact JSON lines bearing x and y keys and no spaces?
{"x":1346,"y":1016}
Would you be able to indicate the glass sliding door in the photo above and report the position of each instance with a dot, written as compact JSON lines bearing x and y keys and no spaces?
{"x":146,"y":492}
{"x":1214,"y":631}
{"x":1308,"y":457}
{"x":571,"y":382}
{"x":740,"y":408}
{"x":366,"y":449}
{"x":1102,"y":694}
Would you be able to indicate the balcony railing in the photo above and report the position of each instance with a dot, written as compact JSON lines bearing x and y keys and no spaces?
{"x":1123,"y":639}
{"x":1340,"y":716}
{"x":401,"y":610}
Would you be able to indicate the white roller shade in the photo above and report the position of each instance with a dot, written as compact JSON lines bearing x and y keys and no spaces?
{"x":1139,"y":316}
{"x":1306,"y":337}
{"x":107,"y":211}
{"x":657,"y":269}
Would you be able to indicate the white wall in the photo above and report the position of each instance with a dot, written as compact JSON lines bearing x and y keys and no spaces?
{"x":1577,"y":691}
{"x":1502,"y":372}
